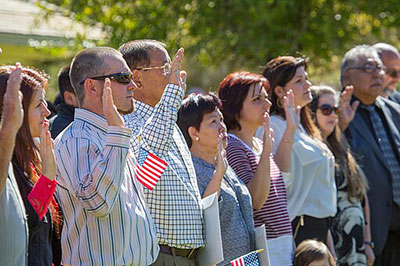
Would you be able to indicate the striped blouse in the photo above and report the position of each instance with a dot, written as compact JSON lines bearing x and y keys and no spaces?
{"x":106,"y":220}
{"x":274,"y":213}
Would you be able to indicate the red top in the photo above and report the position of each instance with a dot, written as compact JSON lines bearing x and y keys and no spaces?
{"x":41,"y":195}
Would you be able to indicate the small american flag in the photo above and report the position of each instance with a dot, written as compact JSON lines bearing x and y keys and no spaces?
{"x":149,"y":168}
{"x":250,"y":259}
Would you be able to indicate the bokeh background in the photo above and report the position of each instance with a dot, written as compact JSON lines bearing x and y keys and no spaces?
{"x":219,"y":36}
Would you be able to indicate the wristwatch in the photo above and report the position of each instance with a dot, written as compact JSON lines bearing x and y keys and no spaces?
{"x":370,"y":243}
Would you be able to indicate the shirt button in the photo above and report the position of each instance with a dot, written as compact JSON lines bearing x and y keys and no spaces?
{"x":49,"y":186}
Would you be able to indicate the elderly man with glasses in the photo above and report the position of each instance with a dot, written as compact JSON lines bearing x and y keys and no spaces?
{"x":175,"y":201}
{"x":390,"y":57}
{"x":374,"y":136}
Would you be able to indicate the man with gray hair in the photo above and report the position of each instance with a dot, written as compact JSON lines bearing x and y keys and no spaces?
{"x":390,"y":57}
{"x":175,"y":201}
{"x":375,"y":139}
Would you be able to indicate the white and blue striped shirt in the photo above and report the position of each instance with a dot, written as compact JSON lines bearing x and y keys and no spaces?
{"x":106,"y":220}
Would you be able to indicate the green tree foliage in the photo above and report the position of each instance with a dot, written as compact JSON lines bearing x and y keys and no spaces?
{"x":243,"y":33}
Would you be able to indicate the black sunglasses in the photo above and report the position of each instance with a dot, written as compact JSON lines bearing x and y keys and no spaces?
{"x":393,"y":73}
{"x":327,"y":109}
{"x":123,"y":78}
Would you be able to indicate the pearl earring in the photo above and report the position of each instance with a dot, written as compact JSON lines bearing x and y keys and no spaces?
{"x":197,"y":138}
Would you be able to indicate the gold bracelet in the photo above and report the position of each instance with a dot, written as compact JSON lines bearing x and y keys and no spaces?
{"x":287,"y":141}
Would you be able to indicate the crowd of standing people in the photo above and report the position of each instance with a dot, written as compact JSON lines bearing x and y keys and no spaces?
{"x":318,"y":167}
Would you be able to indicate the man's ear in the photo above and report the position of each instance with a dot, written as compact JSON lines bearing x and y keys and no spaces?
{"x":71,"y":99}
{"x":346,"y":79}
{"x":193,"y":133}
{"x":137,"y":78}
{"x":91,"y":90}
{"x":280,"y":91}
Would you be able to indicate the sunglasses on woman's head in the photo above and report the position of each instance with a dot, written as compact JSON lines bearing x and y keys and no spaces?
{"x":122,"y":78}
{"x":327,"y":109}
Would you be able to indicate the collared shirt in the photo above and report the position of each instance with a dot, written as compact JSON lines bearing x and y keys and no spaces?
{"x":175,"y":201}
{"x":106,"y":220}
{"x":310,"y":183}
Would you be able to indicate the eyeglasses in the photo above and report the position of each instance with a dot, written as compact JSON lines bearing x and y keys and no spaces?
{"x":327,"y":109}
{"x":369,"y":68}
{"x":166,"y":68}
{"x":393,"y":73}
{"x":123,"y":78}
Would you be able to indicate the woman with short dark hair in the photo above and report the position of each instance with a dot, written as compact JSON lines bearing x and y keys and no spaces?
{"x":245,"y":106}
{"x":203,"y":127}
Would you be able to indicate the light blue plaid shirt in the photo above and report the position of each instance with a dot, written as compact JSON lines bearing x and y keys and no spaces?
{"x":175,"y":201}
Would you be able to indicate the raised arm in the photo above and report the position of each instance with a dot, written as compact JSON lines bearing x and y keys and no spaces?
{"x":11,"y":122}
{"x":93,"y":174}
{"x":282,"y":156}
{"x":347,"y":111}
{"x":222,"y":164}
{"x":259,"y":182}
{"x":157,"y":132}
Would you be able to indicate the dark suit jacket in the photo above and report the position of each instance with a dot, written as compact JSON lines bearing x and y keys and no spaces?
{"x":64,"y":117}
{"x":395,"y":97}
{"x":371,"y":160}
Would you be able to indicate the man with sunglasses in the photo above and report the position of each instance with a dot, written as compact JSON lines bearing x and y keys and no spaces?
{"x":390,"y":57}
{"x":106,"y":219}
{"x":374,"y":136}
{"x":175,"y":201}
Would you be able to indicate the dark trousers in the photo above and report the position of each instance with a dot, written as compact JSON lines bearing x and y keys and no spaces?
{"x":169,"y":260}
{"x":391,"y":252}
{"x":312,"y":228}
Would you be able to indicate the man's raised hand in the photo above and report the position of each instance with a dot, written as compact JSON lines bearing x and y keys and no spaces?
{"x":110,"y":111}
{"x":176,"y":76}
{"x":347,"y":111}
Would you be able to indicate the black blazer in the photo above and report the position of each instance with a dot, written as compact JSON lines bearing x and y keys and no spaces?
{"x":395,"y":97}
{"x":372,"y":162}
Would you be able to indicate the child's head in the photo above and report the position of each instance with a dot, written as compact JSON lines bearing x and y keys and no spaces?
{"x":313,"y":253}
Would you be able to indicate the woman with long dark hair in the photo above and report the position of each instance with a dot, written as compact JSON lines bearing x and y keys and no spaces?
{"x":350,"y":227}
{"x":35,"y":169}
{"x":306,"y":162}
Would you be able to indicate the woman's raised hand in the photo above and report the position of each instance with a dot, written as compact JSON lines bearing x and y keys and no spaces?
{"x":292,"y":112}
{"x":49,"y":168}
{"x":222,"y":162}
{"x":268,"y":135}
